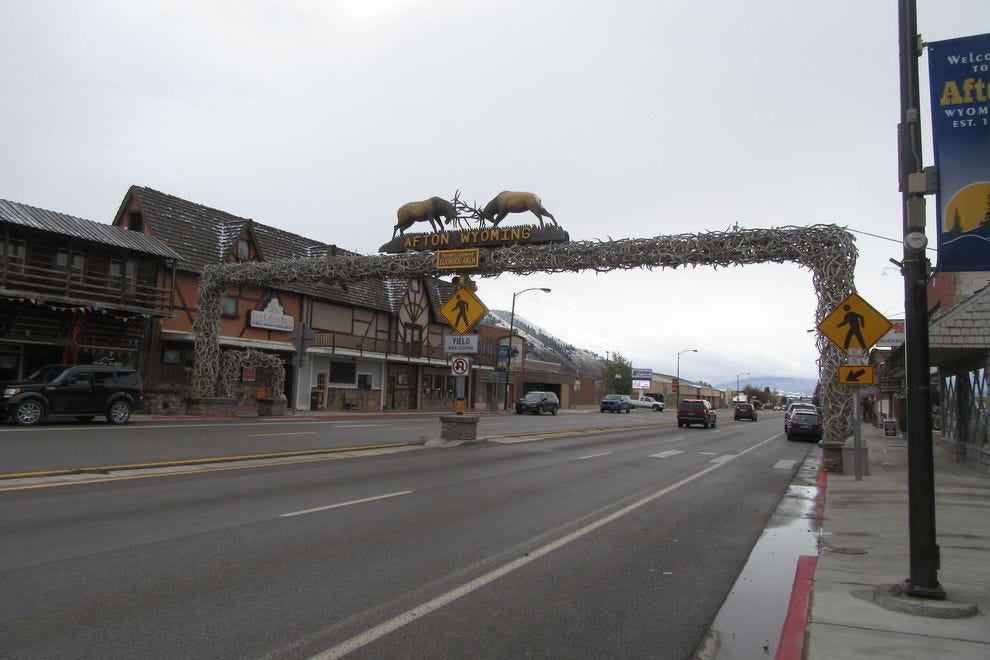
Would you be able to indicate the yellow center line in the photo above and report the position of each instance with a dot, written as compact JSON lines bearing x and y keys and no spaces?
{"x":193,"y":461}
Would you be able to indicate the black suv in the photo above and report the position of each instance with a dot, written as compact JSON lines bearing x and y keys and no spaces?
{"x":695,"y":411}
{"x":82,"y":391}
{"x":537,"y":402}
{"x":745,"y":411}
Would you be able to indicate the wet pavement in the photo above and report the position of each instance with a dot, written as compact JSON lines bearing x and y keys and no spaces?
{"x":749,"y":623}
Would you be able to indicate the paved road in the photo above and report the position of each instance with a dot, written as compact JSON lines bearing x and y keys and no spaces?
{"x":70,"y":445}
{"x":603,"y":545}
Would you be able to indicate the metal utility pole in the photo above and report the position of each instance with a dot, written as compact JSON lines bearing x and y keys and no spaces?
{"x":924,"y":554}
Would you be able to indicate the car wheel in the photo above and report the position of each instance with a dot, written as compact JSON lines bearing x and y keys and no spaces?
{"x":29,"y":413}
{"x":656,"y":408}
{"x":553,"y":411}
{"x":754,"y":418}
{"x":84,"y":418}
{"x":706,"y":424}
{"x":628,"y":410}
{"x":714,"y":422}
{"x":119,"y":412}
{"x":536,"y":412}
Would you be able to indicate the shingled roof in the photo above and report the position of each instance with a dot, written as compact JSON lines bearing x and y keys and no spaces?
{"x":82,"y":229}
{"x":203,"y":236}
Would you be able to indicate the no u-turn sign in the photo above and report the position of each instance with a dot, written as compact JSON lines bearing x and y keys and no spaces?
{"x":460,"y":366}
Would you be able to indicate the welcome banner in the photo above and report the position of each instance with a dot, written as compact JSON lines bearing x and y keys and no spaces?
{"x":959,"y":75}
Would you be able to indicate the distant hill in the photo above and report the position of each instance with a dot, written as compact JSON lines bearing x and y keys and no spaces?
{"x":545,"y":347}
{"x":783,"y":384}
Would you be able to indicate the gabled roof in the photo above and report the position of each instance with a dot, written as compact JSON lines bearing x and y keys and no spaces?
{"x":82,"y":229}
{"x":203,"y":236}
{"x":964,"y":325}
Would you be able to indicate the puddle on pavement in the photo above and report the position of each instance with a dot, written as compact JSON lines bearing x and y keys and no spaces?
{"x":749,"y":623}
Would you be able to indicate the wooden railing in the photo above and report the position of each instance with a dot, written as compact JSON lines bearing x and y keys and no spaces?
{"x":85,"y":289}
{"x":336,"y":341}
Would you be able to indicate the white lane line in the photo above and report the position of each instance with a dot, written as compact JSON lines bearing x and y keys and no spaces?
{"x":354,"y":426}
{"x":421,"y":610}
{"x":604,"y":453}
{"x":722,"y":459}
{"x":783,"y":465}
{"x":708,"y":453}
{"x":340,"y":504}
{"x":272,"y":435}
{"x":667,"y":454}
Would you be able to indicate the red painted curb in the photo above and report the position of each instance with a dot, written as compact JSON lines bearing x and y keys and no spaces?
{"x":791,"y":645}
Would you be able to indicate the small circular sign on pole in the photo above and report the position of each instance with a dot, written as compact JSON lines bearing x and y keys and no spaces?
{"x":460,"y":366}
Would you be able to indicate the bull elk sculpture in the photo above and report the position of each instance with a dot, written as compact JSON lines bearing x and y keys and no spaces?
{"x":514,"y":202}
{"x":434,"y":209}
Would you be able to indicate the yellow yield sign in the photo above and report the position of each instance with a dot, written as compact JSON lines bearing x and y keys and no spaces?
{"x":463,"y":310}
{"x":854,"y":324}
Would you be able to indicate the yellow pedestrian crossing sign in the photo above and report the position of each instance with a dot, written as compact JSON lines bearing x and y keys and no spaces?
{"x":854,"y":324}
{"x":463,"y":310}
{"x":851,"y":374}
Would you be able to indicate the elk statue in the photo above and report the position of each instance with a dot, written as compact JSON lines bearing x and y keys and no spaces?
{"x":514,"y":202}
{"x":434,"y":209}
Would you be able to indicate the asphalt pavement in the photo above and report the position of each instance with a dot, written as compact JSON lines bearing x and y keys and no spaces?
{"x":847,"y":600}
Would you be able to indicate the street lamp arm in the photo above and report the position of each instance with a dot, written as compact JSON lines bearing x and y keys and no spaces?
{"x":512,"y":325}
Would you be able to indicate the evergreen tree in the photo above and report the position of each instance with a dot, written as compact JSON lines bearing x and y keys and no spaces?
{"x":956,"y":221}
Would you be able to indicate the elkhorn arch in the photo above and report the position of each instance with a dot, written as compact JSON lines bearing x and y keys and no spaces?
{"x":828,"y":251}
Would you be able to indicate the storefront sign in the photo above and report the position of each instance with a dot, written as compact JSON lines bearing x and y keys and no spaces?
{"x":272,"y":317}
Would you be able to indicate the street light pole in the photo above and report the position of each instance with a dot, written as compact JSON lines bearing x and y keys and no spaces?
{"x":512,"y":322}
{"x":677,"y":397}
{"x":745,"y":373}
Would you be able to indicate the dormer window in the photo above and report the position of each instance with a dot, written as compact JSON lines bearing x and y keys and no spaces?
{"x":135,"y":221}
{"x":243,"y":250}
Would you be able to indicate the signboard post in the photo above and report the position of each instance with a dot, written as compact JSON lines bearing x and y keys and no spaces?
{"x":460,"y":367}
{"x":854,"y":326}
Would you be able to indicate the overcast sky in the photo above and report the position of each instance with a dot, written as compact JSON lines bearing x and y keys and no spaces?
{"x":631,"y":119}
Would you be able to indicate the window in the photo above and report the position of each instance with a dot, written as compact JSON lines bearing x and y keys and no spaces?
{"x":343,"y":372}
{"x":73,"y":263}
{"x":228,"y":307}
{"x":243,"y":250}
{"x":364,"y":381}
{"x":135,"y":221}
{"x":122,"y":274}
{"x":414,"y":285}
{"x":413,"y":334}
{"x":15,"y":255}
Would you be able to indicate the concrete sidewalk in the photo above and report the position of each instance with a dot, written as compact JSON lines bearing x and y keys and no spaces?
{"x":865,"y":548}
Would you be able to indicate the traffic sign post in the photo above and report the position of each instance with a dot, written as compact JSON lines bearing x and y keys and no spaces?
{"x":854,"y":374}
{"x":460,"y":367}
{"x":854,"y":324}
{"x":463,"y":310}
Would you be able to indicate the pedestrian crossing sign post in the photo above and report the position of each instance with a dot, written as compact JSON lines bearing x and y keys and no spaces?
{"x":463,"y":310}
{"x":854,"y":374}
{"x":854,"y":324}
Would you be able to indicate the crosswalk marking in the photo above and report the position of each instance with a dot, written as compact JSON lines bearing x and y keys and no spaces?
{"x":783,"y":465}
{"x":667,"y":454}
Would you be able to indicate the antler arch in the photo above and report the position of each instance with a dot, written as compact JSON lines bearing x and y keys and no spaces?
{"x":828,"y":251}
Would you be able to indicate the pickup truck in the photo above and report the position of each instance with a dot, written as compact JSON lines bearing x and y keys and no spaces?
{"x":648,"y":402}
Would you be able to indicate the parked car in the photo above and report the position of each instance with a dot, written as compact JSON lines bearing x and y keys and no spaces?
{"x":797,"y":405}
{"x":647,"y":402}
{"x":81,"y":391}
{"x":804,"y":424}
{"x":745,"y":411}
{"x":695,"y":411}
{"x":538,"y":402}
{"x":616,"y":403}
